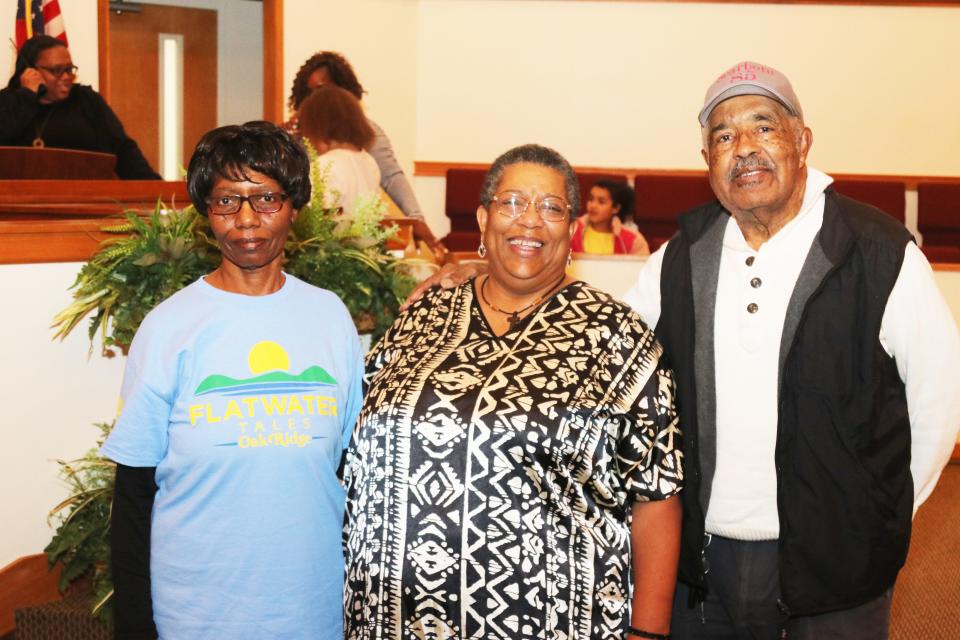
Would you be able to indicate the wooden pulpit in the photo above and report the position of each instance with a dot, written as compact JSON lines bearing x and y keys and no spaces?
{"x":45,"y":163}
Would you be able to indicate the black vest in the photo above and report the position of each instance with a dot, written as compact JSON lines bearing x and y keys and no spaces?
{"x":844,"y":489}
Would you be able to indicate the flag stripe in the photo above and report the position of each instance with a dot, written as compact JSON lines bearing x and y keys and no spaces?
{"x":39,"y":16}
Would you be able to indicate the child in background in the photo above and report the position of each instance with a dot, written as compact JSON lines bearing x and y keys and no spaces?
{"x":601,"y":230}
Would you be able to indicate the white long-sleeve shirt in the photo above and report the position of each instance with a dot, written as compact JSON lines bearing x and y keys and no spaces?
{"x":917,"y":330}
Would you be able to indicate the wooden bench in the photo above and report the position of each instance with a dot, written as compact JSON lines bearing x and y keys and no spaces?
{"x":662,"y":194}
{"x":938,"y":220}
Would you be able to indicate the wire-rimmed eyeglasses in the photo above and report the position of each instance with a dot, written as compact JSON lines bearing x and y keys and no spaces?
{"x":513,"y":204}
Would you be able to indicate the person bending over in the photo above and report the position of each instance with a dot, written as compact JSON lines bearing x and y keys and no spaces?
{"x":332,"y":120}
{"x":329,"y":67}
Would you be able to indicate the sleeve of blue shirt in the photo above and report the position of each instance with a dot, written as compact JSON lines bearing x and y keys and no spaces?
{"x":140,"y":436}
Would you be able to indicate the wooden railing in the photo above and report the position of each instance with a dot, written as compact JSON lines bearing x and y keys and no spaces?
{"x":61,"y":220}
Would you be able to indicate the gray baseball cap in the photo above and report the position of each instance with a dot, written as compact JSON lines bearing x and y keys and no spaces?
{"x":750,"y":79}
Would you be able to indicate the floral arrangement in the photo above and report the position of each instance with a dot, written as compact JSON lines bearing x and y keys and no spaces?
{"x":152,"y":259}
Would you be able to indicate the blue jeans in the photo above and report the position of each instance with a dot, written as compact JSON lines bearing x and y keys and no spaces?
{"x":743,"y":603}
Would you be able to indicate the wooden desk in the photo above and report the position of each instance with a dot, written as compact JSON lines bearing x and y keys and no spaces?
{"x":60,"y":220}
{"x":48,"y":163}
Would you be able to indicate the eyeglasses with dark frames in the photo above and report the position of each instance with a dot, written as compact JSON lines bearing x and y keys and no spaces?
{"x":56,"y":72}
{"x":513,"y":204}
{"x":259,"y":202}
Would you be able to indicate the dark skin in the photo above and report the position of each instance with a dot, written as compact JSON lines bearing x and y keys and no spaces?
{"x":655,"y":544}
{"x":527,"y":255}
{"x":251,"y":243}
{"x":58,"y":86}
{"x":756,"y":153}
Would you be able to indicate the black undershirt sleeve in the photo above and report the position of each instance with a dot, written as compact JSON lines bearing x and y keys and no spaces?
{"x":134,"y":491}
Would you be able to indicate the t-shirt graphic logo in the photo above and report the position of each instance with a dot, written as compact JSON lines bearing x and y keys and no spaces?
{"x":273,"y":407}
{"x":270,"y":365}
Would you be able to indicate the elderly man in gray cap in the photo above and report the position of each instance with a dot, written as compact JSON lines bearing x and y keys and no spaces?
{"x":818,"y":383}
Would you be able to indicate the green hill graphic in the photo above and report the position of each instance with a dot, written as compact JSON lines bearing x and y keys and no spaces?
{"x":311,"y":374}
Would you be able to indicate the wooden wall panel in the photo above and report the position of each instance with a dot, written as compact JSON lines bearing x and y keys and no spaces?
{"x":273,"y":90}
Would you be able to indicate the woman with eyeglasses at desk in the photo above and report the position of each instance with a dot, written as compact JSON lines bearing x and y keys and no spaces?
{"x":43,"y":107}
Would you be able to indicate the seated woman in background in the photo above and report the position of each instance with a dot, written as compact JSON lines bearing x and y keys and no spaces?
{"x":514,"y":470}
{"x":332,"y":120}
{"x":239,"y":395}
{"x":600,"y":230}
{"x":42,"y":107}
{"x":329,"y":67}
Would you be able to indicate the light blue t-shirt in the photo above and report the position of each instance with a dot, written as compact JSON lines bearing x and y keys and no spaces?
{"x":244,"y":404}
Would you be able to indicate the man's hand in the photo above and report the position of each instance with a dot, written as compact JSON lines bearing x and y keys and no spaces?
{"x":31,"y":79}
{"x":451,"y":275}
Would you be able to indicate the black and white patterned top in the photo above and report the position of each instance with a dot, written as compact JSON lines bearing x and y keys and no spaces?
{"x":490,"y":479}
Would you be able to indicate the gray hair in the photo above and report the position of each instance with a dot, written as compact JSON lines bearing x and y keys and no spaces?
{"x":533,"y":154}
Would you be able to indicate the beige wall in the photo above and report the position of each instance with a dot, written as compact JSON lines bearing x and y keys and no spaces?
{"x":620,"y":83}
{"x":379,"y":38}
{"x":51,"y":393}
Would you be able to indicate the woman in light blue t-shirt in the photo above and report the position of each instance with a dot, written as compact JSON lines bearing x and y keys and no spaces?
{"x":239,"y":396}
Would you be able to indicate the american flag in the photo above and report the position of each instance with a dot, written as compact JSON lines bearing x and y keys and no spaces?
{"x":36,"y":17}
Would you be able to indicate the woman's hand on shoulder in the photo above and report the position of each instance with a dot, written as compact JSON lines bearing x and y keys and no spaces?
{"x":448,"y":277}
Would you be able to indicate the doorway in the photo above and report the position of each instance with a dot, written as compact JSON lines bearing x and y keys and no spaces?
{"x":249,"y":55}
{"x":149,"y":79}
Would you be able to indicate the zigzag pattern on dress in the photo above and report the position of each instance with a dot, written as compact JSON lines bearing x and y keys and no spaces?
{"x":490,"y":478}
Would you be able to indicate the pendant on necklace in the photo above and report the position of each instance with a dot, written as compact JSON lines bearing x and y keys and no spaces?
{"x":38,"y":143}
{"x":513,"y":318}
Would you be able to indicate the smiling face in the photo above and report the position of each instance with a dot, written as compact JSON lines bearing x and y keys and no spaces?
{"x":526,"y":254}
{"x":600,"y":207}
{"x":757,"y":157}
{"x":58,"y":86}
{"x":251,"y":241}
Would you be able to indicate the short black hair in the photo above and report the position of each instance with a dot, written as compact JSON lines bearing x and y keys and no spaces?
{"x":229,"y":152}
{"x":339,"y":70}
{"x":620,"y":193}
{"x":28,"y":53}
{"x":534,"y":154}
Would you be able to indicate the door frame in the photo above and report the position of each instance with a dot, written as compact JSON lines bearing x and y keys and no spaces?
{"x":273,"y":109}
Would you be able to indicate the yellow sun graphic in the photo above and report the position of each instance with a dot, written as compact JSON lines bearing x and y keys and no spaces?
{"x":267,"y":356}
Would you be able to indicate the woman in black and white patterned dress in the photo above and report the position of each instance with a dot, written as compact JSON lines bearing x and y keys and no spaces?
{"x":514,"y":470}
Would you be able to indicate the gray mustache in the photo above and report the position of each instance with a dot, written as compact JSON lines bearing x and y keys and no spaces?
{"x":749,"y":163}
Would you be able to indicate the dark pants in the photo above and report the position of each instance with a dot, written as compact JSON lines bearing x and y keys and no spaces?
{"x":743,"y":603}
